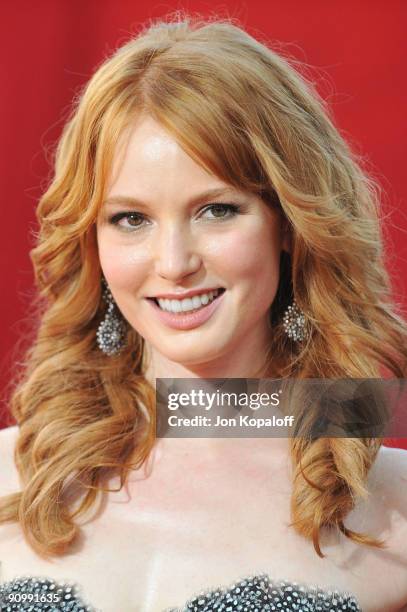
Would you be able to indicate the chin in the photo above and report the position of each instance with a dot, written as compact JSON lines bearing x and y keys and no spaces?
{"x":190,"y":355}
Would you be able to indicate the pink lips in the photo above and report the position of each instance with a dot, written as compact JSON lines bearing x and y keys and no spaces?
{"x":187,"y":320}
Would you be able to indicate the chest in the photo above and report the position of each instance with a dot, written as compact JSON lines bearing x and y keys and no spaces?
{"x":155,"y":545}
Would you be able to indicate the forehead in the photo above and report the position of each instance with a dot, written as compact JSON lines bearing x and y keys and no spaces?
{"x":146,"y":146}
{"x":148,"y":159}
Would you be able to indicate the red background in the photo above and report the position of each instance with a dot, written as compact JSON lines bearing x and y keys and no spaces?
{"x":50,"y":49}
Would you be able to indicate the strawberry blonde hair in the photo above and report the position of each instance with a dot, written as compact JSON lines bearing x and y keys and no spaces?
{"x":246,"y":114}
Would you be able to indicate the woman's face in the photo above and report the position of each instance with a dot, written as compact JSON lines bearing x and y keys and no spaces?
{"x":169,"y":228}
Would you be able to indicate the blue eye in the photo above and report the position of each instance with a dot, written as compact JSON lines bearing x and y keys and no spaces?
{"x":136,"y":220}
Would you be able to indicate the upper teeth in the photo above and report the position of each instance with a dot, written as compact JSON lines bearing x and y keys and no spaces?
{"x":188,"y":303}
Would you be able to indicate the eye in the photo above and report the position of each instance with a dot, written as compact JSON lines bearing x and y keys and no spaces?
{"x":130,"y":221}
{"x":221,"y":211}
{"x":134,"y":220}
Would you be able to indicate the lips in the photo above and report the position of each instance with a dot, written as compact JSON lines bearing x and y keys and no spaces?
{"x":190,"y":319}
{"x":188,"y":304}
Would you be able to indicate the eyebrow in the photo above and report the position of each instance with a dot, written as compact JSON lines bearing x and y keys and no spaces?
{"x":130,"y":201}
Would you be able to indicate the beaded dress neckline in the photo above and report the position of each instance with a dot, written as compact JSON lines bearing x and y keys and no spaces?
{"x":256,"y":593}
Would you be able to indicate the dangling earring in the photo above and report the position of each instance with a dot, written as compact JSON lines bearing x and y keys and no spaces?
{"x":111,"y":332}
{"x":294,"y":323}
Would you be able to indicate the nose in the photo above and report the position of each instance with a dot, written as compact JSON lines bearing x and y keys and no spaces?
{"x":176,"y":253}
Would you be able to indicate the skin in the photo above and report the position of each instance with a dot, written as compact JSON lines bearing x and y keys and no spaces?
{"x":198,"y":522}
{"x":183,"y":245}
{"x":205,"y":512}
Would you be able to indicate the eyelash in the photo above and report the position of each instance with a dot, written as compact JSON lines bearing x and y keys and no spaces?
{"x":232,"y":209}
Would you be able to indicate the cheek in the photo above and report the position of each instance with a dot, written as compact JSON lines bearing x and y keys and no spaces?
{"x":252,"y":254}
{"x":123,"y":266}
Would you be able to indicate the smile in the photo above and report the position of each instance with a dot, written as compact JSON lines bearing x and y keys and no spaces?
{"x":189,"y":312}
{"x":188,"y":304}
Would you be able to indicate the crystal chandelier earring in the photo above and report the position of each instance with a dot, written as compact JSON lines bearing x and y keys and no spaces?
{"x":111,"y":332}
{"x":294,"y":323}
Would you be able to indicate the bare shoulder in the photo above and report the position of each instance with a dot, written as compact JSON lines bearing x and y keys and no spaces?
{"x":388,"y":489}
{"x":382,"y":515}
{"x":9,"y":480}
{"x":389,"y":472}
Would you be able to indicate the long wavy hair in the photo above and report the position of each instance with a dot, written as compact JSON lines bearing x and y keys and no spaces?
{"x":245,"y":113}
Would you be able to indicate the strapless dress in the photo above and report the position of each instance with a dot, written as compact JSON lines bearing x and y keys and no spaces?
{"x":252,"y":594}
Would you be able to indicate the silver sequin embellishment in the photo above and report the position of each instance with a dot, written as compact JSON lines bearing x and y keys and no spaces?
{"x":252,"y":594}
{"x":259,"y":594}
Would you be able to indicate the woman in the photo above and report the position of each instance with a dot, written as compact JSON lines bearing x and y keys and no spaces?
{"x":201,"y":172}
